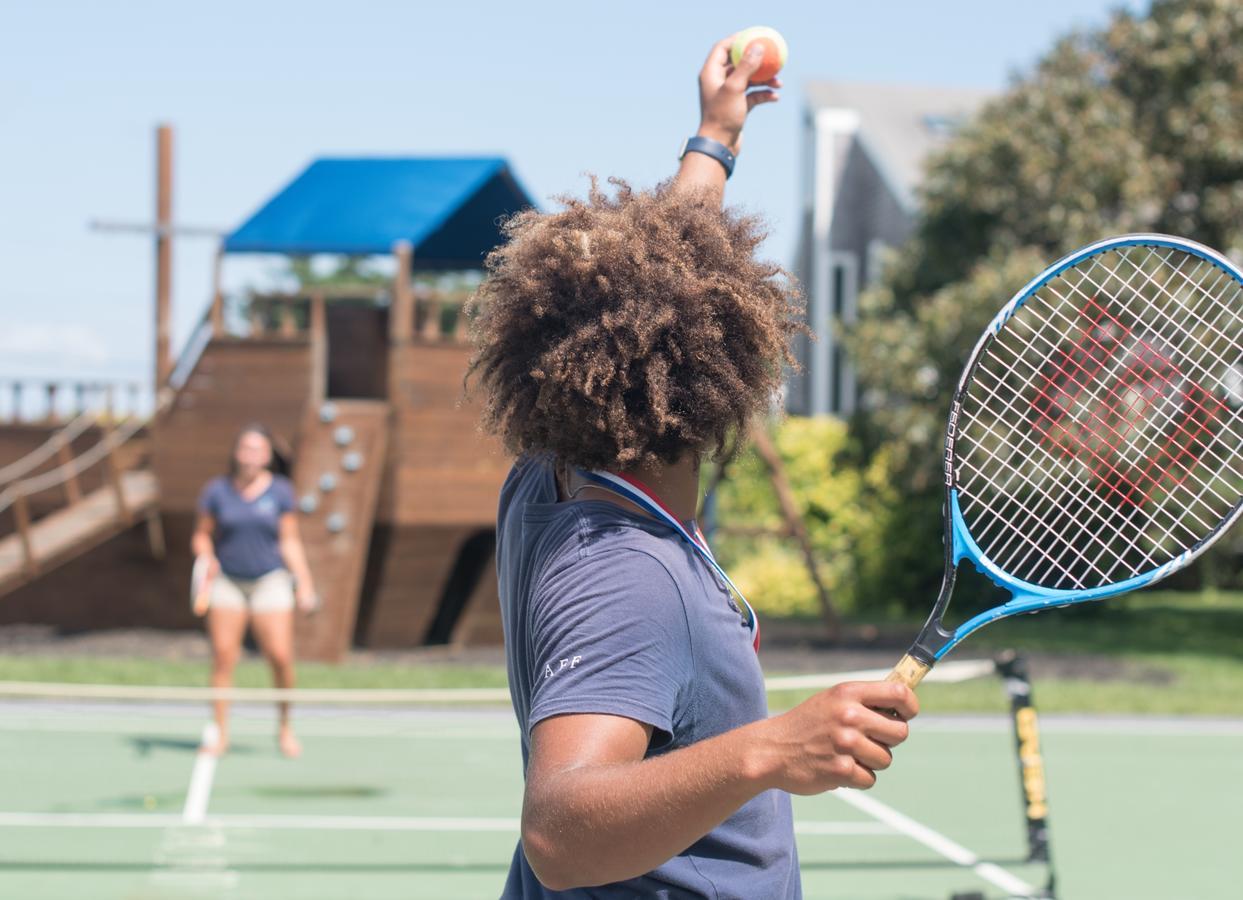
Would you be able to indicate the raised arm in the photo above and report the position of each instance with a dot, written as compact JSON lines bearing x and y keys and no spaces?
{"x":724,"y":102}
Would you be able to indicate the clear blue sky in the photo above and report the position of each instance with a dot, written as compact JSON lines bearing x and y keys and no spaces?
{"x":257,"y":89}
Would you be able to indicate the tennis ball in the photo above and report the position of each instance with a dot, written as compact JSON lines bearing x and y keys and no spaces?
{"x":775,"y":51}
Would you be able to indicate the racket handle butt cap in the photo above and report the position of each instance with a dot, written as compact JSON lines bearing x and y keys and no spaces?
{"x":909,"y":671}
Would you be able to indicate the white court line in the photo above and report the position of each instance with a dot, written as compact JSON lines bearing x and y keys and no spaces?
{"x":954,"y":852}
{"x":958,"y":670}
{"x":87,"y":718}
{"x":257,"y":822}
{"x":165,"y":693}
{"x":198,"y":795}
{"x":343,"y":823}
{"x":166,"y":726}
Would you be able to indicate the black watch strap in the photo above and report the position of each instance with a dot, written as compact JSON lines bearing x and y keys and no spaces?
{"x":709,"y":147}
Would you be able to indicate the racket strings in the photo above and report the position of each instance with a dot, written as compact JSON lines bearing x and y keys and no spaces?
{"x":1054,"y":504}
{"x":1099,"y":436}
{"x":1034,"y":518}
{"x":1213,"y":351}
{"x":1131,"y":403}
{"x":1009,"y":530}
{"x":1200,"y":399}
{"x":1108,"y":439}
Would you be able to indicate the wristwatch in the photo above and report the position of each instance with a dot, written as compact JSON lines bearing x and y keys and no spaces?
{"x":709,"y":147}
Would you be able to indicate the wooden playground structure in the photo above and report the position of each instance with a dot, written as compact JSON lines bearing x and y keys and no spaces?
{"x":363,"y":389}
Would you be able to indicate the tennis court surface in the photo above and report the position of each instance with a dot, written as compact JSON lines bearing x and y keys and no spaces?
{"x":112,"y":800}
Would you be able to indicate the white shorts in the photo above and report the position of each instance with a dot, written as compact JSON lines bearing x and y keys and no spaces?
{"x":272,"y":592}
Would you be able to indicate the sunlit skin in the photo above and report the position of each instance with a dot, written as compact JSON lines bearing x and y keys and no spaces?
{"x":596,"y":810}
{"x":226,"y":628}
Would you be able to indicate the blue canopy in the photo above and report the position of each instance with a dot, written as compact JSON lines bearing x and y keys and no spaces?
{"x":447,"y":208}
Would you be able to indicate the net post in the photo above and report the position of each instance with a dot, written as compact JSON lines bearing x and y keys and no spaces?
{"x":1012,"y":669}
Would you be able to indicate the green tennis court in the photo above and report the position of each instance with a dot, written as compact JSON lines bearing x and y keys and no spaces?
{"x":97,"y":801}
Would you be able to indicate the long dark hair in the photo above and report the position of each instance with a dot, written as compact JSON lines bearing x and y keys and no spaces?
{"x":277,"y":465}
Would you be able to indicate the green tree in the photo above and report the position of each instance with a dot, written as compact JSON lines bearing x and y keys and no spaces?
{"x":845,"y":507}
{"x":1136,"y":127}
{"x":345,"y":271}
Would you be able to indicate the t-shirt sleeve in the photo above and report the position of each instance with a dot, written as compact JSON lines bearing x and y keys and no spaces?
{"x":208,"y":499}
{"x":610,"y":636}
{"x":285,"y":502}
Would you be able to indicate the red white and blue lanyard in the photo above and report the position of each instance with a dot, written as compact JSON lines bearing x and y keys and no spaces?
{"x":630,"y":488}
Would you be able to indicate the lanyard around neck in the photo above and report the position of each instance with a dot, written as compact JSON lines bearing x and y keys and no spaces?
{"x":630,"y":488}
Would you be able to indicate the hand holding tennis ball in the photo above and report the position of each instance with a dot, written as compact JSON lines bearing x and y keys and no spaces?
{"x":775,"y":51}
{"x":730,"y":84}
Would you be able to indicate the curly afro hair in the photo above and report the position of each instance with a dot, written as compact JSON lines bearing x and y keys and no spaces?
{"x":627,"y":330}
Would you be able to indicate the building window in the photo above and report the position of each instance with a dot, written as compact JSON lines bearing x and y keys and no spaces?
{"x":843,"y":305}
{"x":835,"y":352}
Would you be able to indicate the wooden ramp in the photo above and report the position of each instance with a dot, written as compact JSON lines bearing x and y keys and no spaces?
{"x":341,"y":462}
{"x":83,"y":524}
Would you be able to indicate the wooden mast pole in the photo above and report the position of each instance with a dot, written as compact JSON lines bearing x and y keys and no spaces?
{"x":163,"y":255}
{"x":401,"y":312}
{"x":217,"y":294}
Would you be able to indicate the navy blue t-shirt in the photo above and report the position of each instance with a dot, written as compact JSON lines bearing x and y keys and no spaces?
{"x":247,"y":535}
{"x":607,"y":611}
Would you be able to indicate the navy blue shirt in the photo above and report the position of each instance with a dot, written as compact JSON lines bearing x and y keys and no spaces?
{"x":611,"y":612}
{"x":247,"y":535}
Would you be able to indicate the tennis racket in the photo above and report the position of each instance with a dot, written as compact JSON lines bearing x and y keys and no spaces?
{"x":1095,"y":441}
{"x":200,"y":586}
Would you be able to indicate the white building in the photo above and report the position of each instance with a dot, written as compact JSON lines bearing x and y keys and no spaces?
{"x":864,"y":148}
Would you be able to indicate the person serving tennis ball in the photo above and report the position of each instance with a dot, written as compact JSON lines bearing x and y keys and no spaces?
{"x":621,"y":339}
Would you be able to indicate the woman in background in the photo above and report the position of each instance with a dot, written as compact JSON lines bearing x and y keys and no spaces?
{"x":247,"y":544}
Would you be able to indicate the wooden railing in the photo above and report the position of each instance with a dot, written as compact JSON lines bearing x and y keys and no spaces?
{"x":436,"y":316}
{"x":61,"y":400}
{"x":278,"y":315}
{"x":68,"y":474}
{"x":441,"y":316}
{"x":58,"y":445}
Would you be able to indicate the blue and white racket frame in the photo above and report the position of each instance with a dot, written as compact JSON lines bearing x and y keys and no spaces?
{"x":934,"y":641}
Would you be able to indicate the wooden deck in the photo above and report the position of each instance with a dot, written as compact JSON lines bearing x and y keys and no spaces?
{"x":76,"y":528}
{"x":445,"y":470}
{"x":406,"y":567}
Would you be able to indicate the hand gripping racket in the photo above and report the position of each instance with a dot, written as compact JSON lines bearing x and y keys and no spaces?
{"x":1095,"y":442}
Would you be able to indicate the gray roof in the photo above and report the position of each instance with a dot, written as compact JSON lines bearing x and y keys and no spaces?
{"x":900,"y":123}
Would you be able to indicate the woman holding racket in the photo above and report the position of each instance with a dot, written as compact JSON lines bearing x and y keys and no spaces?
{"x":248,"y":549}
{"x":621,"y":339}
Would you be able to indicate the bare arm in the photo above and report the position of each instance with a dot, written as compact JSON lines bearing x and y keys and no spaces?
{"x":595,"y":811}
{"x":201,"y":541}
{"x":723,"y":106}
{"x":294,"y":555}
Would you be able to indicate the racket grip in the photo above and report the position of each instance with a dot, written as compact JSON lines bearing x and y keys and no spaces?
{"x":909,"y":671}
